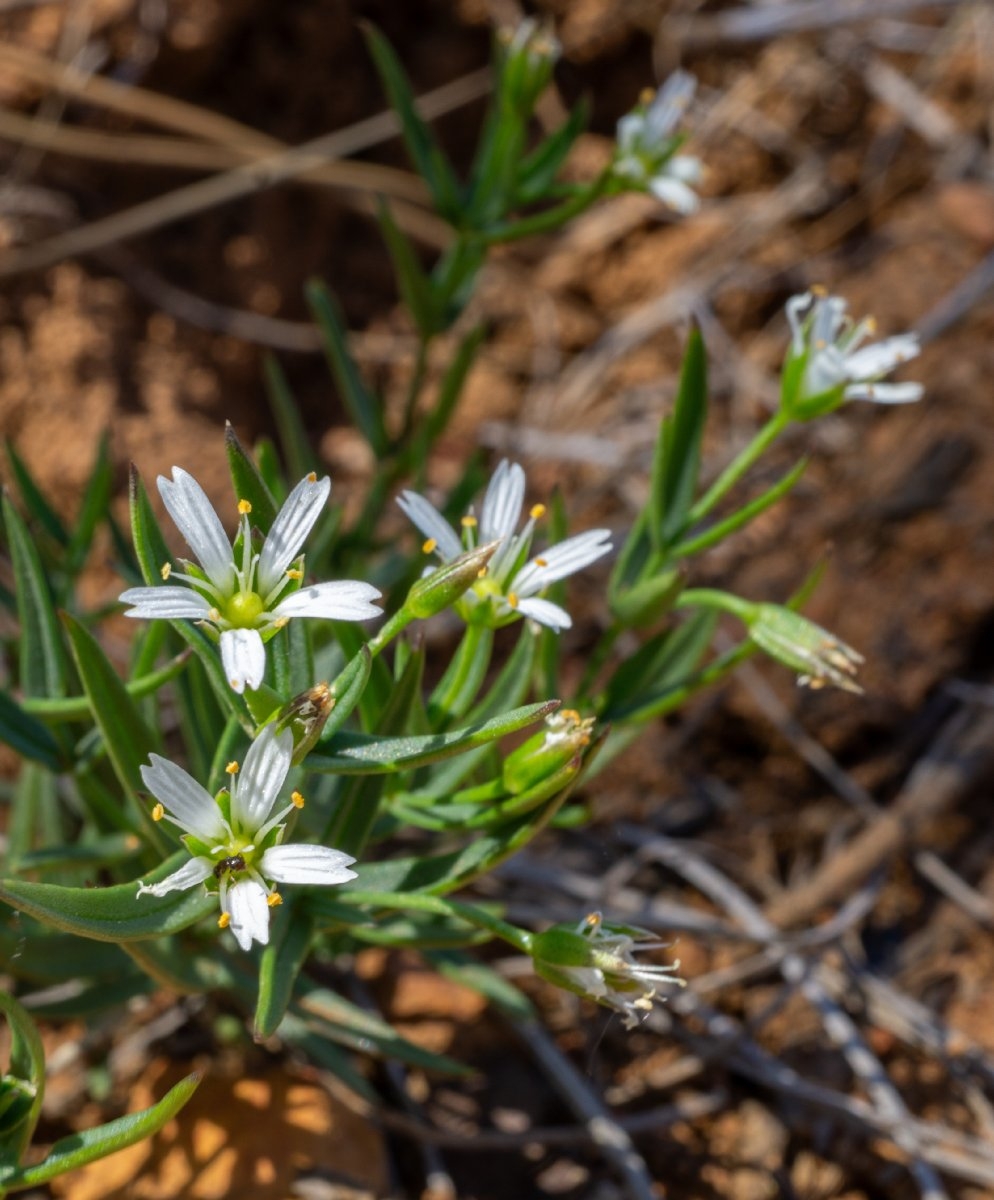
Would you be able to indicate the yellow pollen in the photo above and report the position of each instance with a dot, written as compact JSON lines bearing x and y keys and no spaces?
{"x":214,"y":614}
{"x":166,"y":570}
{"x":158,"y":812}
{"x":293,"y":573}
{"x":820,"y":344}
{"x":512,"y":599}
{"x":482,"y":573}
{"x":224,"y":920}
{"x":428,"y":546}
{"x":646,"y":96}
{"x":570,"y":714}
{"x":275,"y":900}
{"x":469,"y":521}
{"x":232,"y":768}
{"x":280,"y":622}
{"x":312,"y":477}
{"x":541,"y":562}
{"x":244,"y":507}
{"x":593,"y":920}
{"x":818,"y":289}
{"x":537,"y":512}
{"x":297,"y":799}
{"x":871,"y":324}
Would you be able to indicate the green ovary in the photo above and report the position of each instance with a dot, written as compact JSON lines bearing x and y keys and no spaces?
{"x":244,"y":609}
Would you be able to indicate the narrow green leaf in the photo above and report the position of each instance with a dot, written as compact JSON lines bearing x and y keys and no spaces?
{"x":290,"y":935}
{"x":96,"y":503}
{"x":431,"y":428}
{"x":483,"y":979}
{"x":42,"y":658}
{"x":426,"y":154}
{"x":27,"y":1064}
{"x":539,"y":169}
{"x":35,"y":816}
{"x":34,"y":954}
{"x":77,"y":708}
{"x":298,"y":453}
{"x":248,"y":483}
{"x":348,"y":689}
{"x":27,"y":736}
{"x":75,"y":1151}
{"x":103,"y":851}
{"x":464,"y":676}
{"x":414,"y":285}
{"x":111,"y":914}
{"x":363,"y":407}
{"x":34,"y":499}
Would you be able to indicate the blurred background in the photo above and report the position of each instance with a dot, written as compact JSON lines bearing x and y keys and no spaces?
{"x":848,"y":143}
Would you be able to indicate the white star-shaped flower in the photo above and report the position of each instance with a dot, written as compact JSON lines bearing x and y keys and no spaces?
{"x":512,"y":581}
{"x":234,"y":838}
{"x":243,"y":594}
{"x":827,"y":362}
{"x":647,"y":144}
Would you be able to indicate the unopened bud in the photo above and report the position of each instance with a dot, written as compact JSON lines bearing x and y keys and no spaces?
{"x":442,"y":588}
{"x":565,"y":737}
{"x":305,"y":716}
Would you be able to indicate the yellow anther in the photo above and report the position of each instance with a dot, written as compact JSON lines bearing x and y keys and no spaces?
{"x":820,"y":343}
{"x":294,"y":573}
{"x":871,"y":324}
{"x":428,"y":546}
{"x":231,"y":768}
{"x":214,"y":614}
{"x":593,"y":920}
{"x":275,"y":900}
{"x":482,"y":572}
{"x":647,"y":95}
{"x":224,"y":920}
{"x":244,"y":507}
{"x":280,"y":622}
{"x":158,"y":812}
{"x":312,"y":476}
{"x":818,"y":289}
{"x":537,"y":512}
{"x":512,"y":599}
{"x":541,"y":562}
{"x":570,"y":714}
{"x":166,"y":570}
{"x":469,"y":521}
{"x":297,"y":799}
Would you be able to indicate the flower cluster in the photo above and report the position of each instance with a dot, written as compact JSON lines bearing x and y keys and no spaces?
{"x":597,"y":959}
{"x":243,"y":595}
{"x":235,"y":838}
{"x":646,"y":155}
{"x":828,"y":363}
{"x":509,"y":586}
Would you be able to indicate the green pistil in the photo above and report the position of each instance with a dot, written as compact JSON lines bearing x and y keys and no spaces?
{"x":244,"y":609}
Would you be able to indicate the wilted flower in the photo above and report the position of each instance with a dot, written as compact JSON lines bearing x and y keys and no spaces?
{"x":242,"y":594}
{"x":564,"y":739}
{"x":234,"y":838}
{"x":828,"y":364}
{"x":509,"y":586}
{"x":597,"y":959}
{"x":817,"y":655}
{"x":647,"y":157}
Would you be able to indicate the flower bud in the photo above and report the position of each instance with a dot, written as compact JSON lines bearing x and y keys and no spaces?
{"x":816,"y":655}
{"x":565,"y":736}
{"x":528,"y":55}
{"x":435,"y":592}
{"x":648,"y":600}
{"x":305,"y":716}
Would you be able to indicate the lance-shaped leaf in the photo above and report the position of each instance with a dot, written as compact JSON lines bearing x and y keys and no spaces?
{"x":538,"y":169}
{"x":22,"y":1088}
{"x":665,"y":662}
{"x":75,"y":1151}
{"x":27,"y":736}
{"x":111,"y":914}
{"x":96,"y":503}
{"x":34,"y":499}
{"x":35,"y":954}
{"x":247,"y":481}
{"x":42,"y":659}
{"x":360,"y":754}
{"x":298,"y":452}
{"x":414,"y":284}
{"x":290,"y":935}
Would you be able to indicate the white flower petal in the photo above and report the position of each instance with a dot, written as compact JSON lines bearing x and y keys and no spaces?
{"x":189,"y":875}
{"x":797,"y":308}
{"x":545,"y":612}
{"x":631,"y":129}
{"x":674,"y":194}
{"x":346,"y":600}
{"x":307,"y":864}
{"x":244,"y":658}
{"x":670,"y":103}
{"x":200,"y":525}
{"x":246,"y":904}
{"x":885,"y":393}
{"x":873,"y":361}
{"x":501,"y":508}
{"x":293,"y":523}
{"x":257,"y":784}
{"x":193,"y":807}
{"x":165,"y":602}
{"x":431,"y":523}
{"x":686,"y":168}
{"x":561,"y":560}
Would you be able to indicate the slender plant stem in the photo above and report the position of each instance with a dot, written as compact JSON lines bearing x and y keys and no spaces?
{"x":738,"y":466}
{"x":518,"y":938}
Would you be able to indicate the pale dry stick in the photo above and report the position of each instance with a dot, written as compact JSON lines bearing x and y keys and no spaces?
{"x":603,"y":1129}
{"x":837,"y":1023}
{"x":961,"y":756}
{"x":239,"y":182}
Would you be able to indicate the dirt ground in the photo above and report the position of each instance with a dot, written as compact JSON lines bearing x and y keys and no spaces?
{"x":854,"y":153}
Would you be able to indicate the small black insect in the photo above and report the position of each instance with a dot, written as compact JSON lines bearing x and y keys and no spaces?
{"x":234,"y":863}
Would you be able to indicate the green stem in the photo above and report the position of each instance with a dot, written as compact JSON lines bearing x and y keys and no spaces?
{"x":520,"y":939}
{"x":739,"y":465}
{"x":78,"y":707}
{"x":464,"y":674}
{"x":712,"y":598}
{"x":414,"y":391}
{"x":552,"y":218}
{"x":396,"y":625}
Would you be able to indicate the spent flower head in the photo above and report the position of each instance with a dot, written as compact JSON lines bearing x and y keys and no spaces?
{"x":646,"y":157}
{"x":241,"y":594}
{"x":597,"y":959}
{"x":816,"y":655}
{"x":509,"y":586}
{"x":827,"y":362}
{"x":234,"y":838}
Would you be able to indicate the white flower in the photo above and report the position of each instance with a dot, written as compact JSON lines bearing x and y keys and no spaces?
{"x":827,"y":362}
{"x":234,"y":838}
{"x":647,"y":143}
{"x":511,"y":583}
{"x":598,"y":960}
{"x":244,"y":594}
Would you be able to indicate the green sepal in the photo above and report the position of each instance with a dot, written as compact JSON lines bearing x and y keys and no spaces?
{"x":676,"y":461}
{"x":360,"y":754}
{"x":111,"y":914}
{"x":248,"y":482}
{"x":25,"y":1079}
{"x":75,"y":1151}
